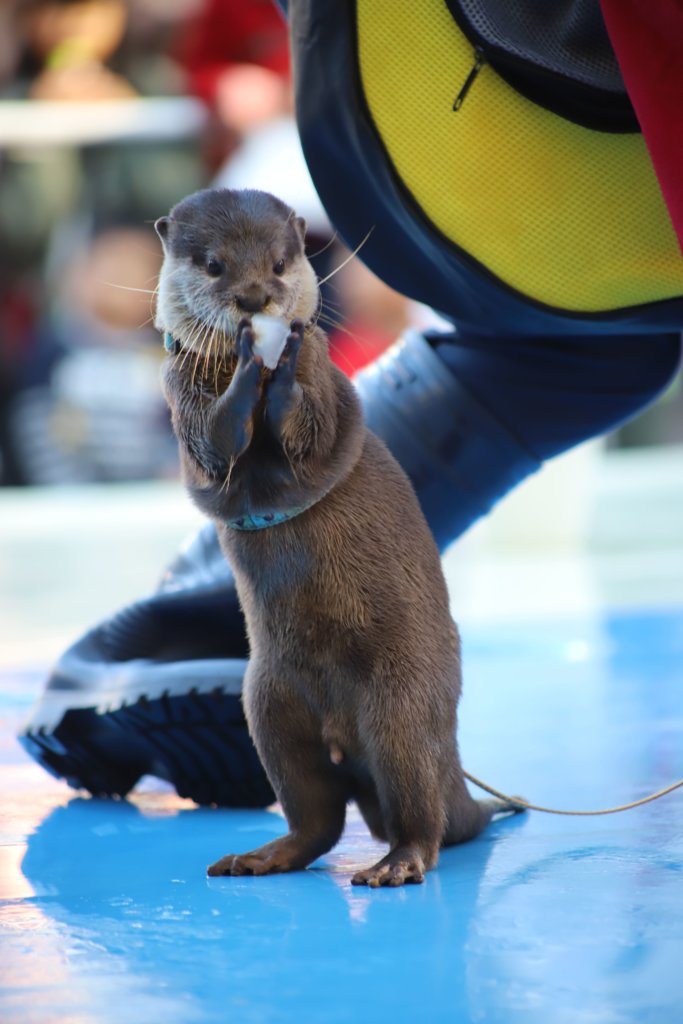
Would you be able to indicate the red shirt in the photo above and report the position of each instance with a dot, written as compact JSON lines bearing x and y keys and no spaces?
{"x":648,"y":42}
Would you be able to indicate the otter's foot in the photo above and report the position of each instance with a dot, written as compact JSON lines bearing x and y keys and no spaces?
{"x":404,"y":864}
{"x":246,"y":864}
{"x":284,"y":854}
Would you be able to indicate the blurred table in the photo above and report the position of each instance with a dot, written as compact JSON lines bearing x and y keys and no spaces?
{"x":73,"y":123}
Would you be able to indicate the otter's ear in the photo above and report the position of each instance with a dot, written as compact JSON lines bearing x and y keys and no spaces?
{"x":162,"y":227}
{"x":300,"y":225}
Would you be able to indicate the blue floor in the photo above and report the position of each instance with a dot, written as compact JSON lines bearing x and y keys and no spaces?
{"x":107,"y":915}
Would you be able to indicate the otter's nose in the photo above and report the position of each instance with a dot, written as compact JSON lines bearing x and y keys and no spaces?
{"x":252,"y":299}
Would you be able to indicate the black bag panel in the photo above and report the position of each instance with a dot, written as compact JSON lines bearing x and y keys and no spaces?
{"x":556,"y":53}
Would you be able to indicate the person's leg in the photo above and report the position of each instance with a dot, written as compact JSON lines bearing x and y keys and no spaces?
{"x":157,"y":688}
{"x":470,"y":416}
{"x":558,"y":392}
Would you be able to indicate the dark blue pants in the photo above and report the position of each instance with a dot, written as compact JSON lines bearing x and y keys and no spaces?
{"x":553,"y":393}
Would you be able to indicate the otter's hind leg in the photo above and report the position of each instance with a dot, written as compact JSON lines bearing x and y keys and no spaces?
{"x":312,"y":792}
{"x":465,"y":816}
{"x":409,"y":810}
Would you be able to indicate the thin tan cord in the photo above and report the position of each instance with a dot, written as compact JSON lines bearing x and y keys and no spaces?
{"x":518,"y":802}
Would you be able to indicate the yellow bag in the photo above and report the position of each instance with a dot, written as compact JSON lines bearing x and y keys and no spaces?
{"x":509,"y":213}
{"x":570,"y":216}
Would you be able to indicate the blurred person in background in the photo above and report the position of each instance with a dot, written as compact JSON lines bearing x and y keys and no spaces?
{"x":91,"y":408}
{"x":68,"y":45}
{"x":235,"y":54}
{"x":361,"y":314}
{"x":70,"y":206}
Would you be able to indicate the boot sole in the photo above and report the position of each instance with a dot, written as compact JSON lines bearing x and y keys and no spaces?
{"x":196,"y":740}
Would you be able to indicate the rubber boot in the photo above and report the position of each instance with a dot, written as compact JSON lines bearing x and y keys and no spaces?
{"x":156,"y":689}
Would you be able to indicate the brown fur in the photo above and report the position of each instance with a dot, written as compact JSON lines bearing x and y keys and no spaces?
{"x":354,"y":674}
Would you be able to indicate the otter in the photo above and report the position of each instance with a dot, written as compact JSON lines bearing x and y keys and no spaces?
{"x":354,"y":672}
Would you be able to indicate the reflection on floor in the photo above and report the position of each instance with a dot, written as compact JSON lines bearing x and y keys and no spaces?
{"x":106,"y":914}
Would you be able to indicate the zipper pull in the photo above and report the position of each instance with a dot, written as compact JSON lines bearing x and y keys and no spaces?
{"x":479,"y":61}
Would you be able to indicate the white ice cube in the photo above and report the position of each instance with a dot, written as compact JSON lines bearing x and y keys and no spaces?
{"x":270,"y":336}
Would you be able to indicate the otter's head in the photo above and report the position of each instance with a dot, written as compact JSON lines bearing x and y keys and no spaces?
{"x":229,"y":254}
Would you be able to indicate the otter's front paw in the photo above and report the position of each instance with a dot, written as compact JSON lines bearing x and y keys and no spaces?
{"x":283,"y":391}
{"x":247,"y":358}
{"x":247,"y":382}
{"x":286,"y":367}
{"x":231,"y":416}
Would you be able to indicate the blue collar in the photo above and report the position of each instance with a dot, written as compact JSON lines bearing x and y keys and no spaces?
{"x":171,"y":345}
{"x":261,"y":522}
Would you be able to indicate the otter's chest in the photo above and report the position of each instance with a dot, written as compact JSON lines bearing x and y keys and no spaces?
{"x":295,"y":594}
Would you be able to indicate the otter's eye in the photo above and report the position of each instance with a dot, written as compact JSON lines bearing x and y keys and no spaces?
{"x":214,"y":267}
{"x":279,"y":267}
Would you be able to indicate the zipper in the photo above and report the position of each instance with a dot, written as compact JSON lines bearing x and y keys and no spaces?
{"x":479,"y":61}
